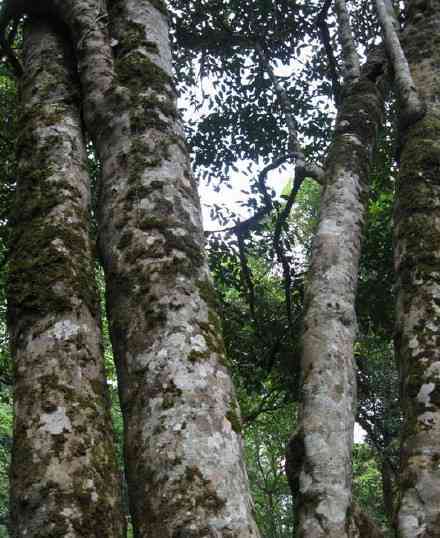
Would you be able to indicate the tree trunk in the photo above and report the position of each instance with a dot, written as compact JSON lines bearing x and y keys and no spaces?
{"x":183,"y":446}
{"x":388,"y":492}
{"x":64,"y":479}
{"x":325,"y":435}
{"x":417,"y":260}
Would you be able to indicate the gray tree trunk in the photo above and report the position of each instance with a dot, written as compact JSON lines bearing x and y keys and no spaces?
{"x":417,"y":260}
{"x":183,"y":445}
{"x":64,"y":479}
{"x":323,"y":443}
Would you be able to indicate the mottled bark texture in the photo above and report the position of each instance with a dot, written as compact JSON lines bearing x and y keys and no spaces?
{"x":349,"y":53}
{"x":417,"y":260}
{"x":324,"y":439}
{"x":183,"y":446}
{"x":411,"y":107}
{"x":64,"y":480}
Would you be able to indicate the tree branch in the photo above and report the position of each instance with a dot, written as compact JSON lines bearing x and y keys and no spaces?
{"x":301,"y":169}
{"x":264,"y":407}
{"x":247,"y":277}
{"x":248,"y":224}
{"x":321,"y":21}
{"x":283,"y":100}
{"x":412,"y":106}
{"x":352,"y":70}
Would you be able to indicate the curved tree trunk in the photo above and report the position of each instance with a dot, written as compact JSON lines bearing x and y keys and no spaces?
{"x":64,"y":480}
{"x":417,"y":259}
{"x":323,"y":443}
{"x":183,"y":445}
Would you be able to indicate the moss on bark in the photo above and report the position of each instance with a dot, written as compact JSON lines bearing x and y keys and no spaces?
{"x":417,"y":260}
{"x":64,"y":480}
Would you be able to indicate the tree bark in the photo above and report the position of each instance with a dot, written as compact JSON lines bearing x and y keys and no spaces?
{"x":64,"y":479}
{"x":411,"y":106}
{"x":417,"y":260}
{"x":350,"y":55}
{"x":325,"y":435}
{"x":183,"y":446}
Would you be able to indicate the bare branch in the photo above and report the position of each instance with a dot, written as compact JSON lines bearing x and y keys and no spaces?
{"x":249,"y":223}
{"x":283,"y":100}
{"x":412,"y":106}
{"x":300,"y":173}
{"x":295,"y":149}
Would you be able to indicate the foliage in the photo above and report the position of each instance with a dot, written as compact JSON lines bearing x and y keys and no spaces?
{"x":267,"y":389}
{"x":367,"y":482}
{"x":265,"y":442}
{"x":7,"y":186}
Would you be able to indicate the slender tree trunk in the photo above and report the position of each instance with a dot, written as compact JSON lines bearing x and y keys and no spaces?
{"x":388,"y":492}
{"x":417,"y":260}
{"x":64,"y":480}
{"x":323,"y":443}
{"x":183,"y":445}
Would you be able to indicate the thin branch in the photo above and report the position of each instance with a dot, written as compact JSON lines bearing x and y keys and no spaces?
{"x":283,"y":100}
{"x":321,"y":21}
{"x":412,"y":106}
{"x":287,"y":208}
{"x":247,"y":277}
{"x":352,"y":70}
{"x":287,"y":283}
{"x":281,"y":221}
{"x":263,"y":407}
{"x":251,"y":222}
{"x":311,"y":170}
{"x":300,"y":173}
{"x":270,"y":358}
